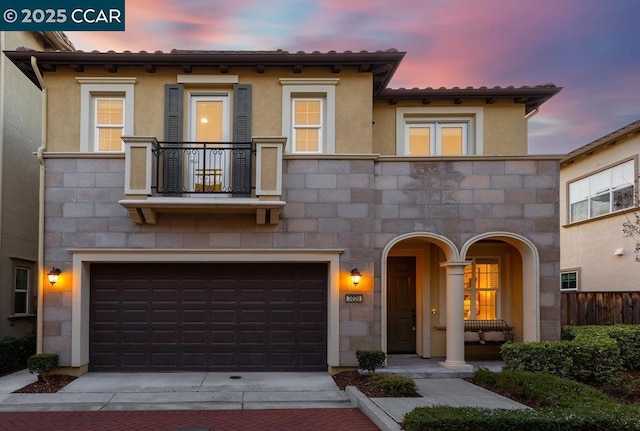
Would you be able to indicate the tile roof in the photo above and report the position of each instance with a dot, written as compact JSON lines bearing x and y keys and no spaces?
{"x":603,"y":142}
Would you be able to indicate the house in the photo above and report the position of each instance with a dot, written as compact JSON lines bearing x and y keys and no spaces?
{"x":20,"y":118}
{"x":598,"y":195}
{"x":207,"y":210}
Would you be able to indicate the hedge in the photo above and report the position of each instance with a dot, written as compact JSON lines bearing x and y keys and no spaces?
{"x":564,"y":405}
{"x":626,"y":336}
{"x":592,"y":358}
{"x":14,"y":352}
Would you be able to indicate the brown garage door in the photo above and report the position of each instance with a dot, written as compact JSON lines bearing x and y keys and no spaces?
{"x":215,"y":316}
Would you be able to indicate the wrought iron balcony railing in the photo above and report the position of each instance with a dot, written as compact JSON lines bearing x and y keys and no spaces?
{"x":220,"y":168}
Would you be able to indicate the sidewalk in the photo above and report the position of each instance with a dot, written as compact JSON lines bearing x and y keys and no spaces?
{"x":208,"y":392}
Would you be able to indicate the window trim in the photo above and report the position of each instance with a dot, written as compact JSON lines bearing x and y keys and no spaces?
{"x":310,"y":87}
{"x":473,"y":116}
{"x":93,"y":87}
{"x":575,"y":271}
{"x":569,"y":203}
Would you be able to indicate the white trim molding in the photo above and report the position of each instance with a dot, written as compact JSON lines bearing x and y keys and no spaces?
{"x":107,"y":86}
{"x":324,"y":87}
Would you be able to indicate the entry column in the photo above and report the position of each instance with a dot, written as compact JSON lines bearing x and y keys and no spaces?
{"x":455,"y":316}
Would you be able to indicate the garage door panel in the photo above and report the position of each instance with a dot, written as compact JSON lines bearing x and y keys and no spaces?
{"x":134,"y":316}
{"x":219,"y":317}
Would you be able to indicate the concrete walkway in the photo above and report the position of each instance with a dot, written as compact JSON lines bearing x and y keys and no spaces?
{"x":203,"y":391}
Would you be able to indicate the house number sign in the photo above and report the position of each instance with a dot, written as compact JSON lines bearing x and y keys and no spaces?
{"x":353,"y":298}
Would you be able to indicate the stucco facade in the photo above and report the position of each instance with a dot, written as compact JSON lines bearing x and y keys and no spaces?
{"x":360,"y":202}
{"x":595,"y":248}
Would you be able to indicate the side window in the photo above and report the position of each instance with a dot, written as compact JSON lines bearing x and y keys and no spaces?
{"x":109,"y":123}
{"x":309,"y":114}
{"x":569,"y":280}
{"x":604,"y":192}
{"x":428,"y":132}
{"x":22,"y":289}
{"x":106,"y":113}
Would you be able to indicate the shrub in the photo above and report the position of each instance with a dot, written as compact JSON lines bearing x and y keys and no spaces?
{"x":370,"y":359}
{"x":14,"y":352}
{"x":394,"y":385}
{"x":564,"y":405}
{"x":43,"y":364}
{"x":485,"y":377}
{"x":586,"y":359}
{"x":627,"y":338}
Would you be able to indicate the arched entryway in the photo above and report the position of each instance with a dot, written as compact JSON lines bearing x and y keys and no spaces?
{"x":517,"y":287}
{"x":423,"y":291}
{"x":411,"y":305}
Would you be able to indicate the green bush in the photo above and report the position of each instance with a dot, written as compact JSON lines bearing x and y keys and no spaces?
{"x":564,"y":405}
{"x":14,"y":352}
{"x":585,"y":359}
{"x":42,"y":364}
{"x":626,"y":336}
{"x":485,"y":377}
{"x":370,"y":359}
{"x":394,"y":385}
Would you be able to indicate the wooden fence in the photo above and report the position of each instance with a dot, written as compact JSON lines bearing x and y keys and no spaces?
{"x":600,"y":308}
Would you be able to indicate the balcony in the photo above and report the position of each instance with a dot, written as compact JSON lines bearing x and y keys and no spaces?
{"x":210,"y":178}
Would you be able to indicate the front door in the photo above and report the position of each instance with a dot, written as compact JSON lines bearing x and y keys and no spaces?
{"x":401,"y":305}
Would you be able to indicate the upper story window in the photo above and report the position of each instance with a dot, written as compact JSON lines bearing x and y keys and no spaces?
{"x":106,"y":112}
{"x":109,"y":121}
{"x":308,"y":114}
{"x":442,"y":131}
{"x":436,"y":138}
{"x":307,"y":125}
{"x":604,"y":192}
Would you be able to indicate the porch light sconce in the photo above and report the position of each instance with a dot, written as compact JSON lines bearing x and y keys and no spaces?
{"x":434,"y":311}
{"x":53,"y":275}
{"x":355,"y":276}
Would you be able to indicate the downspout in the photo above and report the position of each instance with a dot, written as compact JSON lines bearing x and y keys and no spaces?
{"x":43,"y":147}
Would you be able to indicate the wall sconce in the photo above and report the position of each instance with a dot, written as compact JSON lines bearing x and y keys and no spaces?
{"x":434,"y":311}
{"x":355,"y":276}
{"x":53,"y":275}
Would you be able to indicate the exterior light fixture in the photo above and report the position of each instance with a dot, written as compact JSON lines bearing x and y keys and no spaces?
{"x":355,"y":276}
{"x":53,"y":275}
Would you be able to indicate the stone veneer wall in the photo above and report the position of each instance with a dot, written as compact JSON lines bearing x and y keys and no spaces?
{"x":358,"y":205}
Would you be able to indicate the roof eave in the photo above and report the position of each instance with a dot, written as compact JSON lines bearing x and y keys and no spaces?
{"x":603,"y":142}
{"x":532,"y":97}
{"x":382,"y":64}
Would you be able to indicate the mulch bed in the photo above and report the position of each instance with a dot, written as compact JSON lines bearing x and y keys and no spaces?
{"x":56,"y":382}
{"x":361,"y":381}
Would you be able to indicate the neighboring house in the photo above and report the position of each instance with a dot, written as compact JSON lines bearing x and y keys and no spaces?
{"x":221,"y":230}
{"x":20,"y":137}
{"x":598,"y":194}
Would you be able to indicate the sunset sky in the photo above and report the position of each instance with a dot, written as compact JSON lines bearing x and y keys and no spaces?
{"x":589,"y":47}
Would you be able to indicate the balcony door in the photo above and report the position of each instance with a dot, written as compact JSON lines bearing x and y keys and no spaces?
{"x":209,"y":164}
